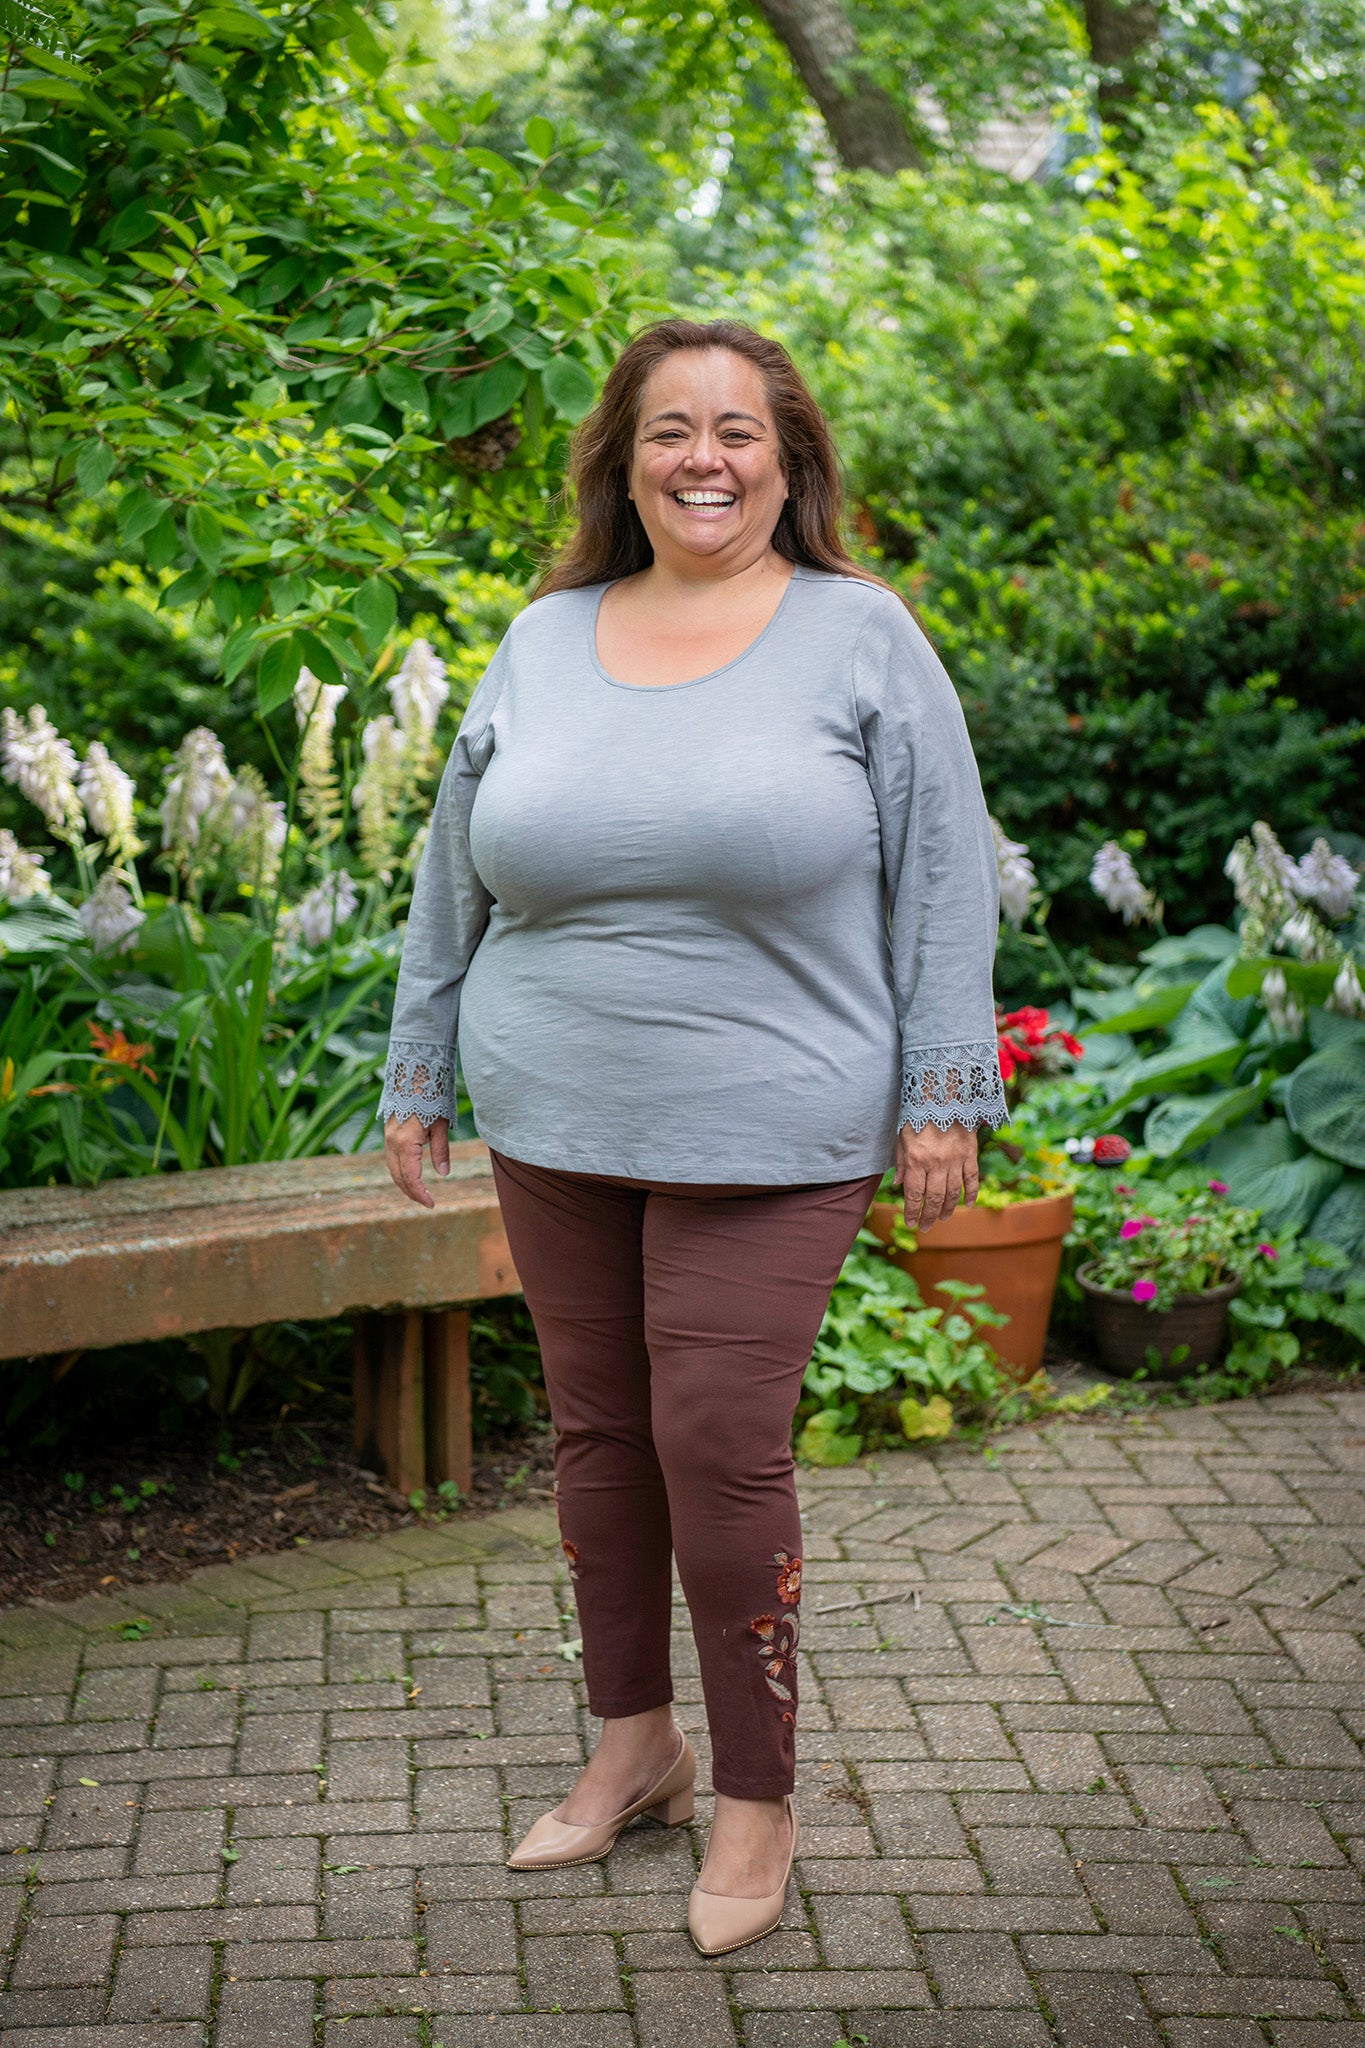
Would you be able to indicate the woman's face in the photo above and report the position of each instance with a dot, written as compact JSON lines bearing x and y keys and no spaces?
{"x":706,"y":470}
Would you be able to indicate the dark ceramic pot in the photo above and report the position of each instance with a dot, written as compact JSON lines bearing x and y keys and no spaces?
{"x":1126,"y":1330}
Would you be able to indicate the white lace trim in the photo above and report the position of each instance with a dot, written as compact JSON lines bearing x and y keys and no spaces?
{"x":419,"y":1081}
{"x":953,"y":1084}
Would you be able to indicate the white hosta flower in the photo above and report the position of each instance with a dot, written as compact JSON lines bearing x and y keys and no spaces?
{"x":314,"y":920}
{"x":252,"y":826}
{"x":315,"y":707}
{"x":1284,"y":1010}
{"x":1262,"y":877}
{"x":110,"y":916}
{"x":1118,"y":885}
{"x":198,"y":782}
{"x":1017,"y":878}
{"x":42,"y":765}
{"x":379,"y":792}
{"x":1347,"y":997}
{"x":22,"y":874}
{"x":1306,"y":935}
{"x":1326,"y":880}
{"x":107,"y":792}
{"x":418,"y":690}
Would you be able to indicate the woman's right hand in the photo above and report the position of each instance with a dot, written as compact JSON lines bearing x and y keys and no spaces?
{"x":404,"y":1143}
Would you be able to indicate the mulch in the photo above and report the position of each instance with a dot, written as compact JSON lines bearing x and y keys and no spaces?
{"x":98,"y":1517}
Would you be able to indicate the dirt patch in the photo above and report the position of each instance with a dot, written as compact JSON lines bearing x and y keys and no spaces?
{"x":95,"y":1519}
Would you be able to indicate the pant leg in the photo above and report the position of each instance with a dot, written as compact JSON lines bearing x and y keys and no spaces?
{"x":735,"y":1291}
{"x":576,"y":1244}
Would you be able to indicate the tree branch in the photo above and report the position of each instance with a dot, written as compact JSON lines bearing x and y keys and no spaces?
{"x":1117,"y":30}
{"x":866,"y":126}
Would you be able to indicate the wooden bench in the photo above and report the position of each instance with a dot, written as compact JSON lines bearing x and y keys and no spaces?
{"x":233,"y":1247}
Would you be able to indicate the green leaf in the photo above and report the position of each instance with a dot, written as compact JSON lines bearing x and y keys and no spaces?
{"x":457,"y":411}
{"x":1325,"y":1102}
{"x":1310,"y":979}
{"x":1149,"y":1011}
{"x":279,"y":281}
{"x":278,"y":673}
{"x":1210,"y":1056}
{"x":138,"y":513}
{"x":287,"y":593}
{"x":376,"y":607}
{"x":569,"y":387}
{"x":490,"y":319}
{"x":359,"y":403}
{"x":824,"y":1441}
{"x":496,"y":391}
{"x":133,"y":225}
{"x":403,"y":387}
{"x":187,"y":589}
{"x":94,"y":467}
{"x":1182,"y":1122}
{"x":238,"y":649}
{"x":206,"y":535}
{"x":540,"y":137}
{"x":162,"y":544}
{"x":319,"y":657}
{"x":198,"y":86}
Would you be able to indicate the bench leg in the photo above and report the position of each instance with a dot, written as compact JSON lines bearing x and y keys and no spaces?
{"x":449,"y":1447}
{"x":412,"y":1411}
{"x":389,"y":1382}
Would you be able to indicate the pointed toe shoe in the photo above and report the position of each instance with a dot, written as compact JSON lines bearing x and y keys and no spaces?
{"x":553,"y":1842}
{"x":718,"y":1923}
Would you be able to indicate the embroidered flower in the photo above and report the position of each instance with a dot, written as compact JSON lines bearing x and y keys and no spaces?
{"x":571,"y":1552}
{"x":788,"y":1577}
{"x":777,"y":1640}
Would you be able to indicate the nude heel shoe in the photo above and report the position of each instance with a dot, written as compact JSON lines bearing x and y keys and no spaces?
{"x":718,"y":1924}
{"x":552,"y":1843}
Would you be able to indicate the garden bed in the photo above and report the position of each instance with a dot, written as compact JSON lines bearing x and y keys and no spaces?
{"x":272,"y":1487}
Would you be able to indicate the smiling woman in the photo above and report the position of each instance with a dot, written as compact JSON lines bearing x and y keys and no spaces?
{"x":708,"y":904}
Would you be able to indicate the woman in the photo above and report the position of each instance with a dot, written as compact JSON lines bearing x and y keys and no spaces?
{"x":710,"y":895}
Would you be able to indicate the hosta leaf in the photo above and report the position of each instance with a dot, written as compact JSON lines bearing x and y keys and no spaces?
{"x":1267,"y":1167}
{"x":1325,"y":1101}
{"x":1158,"y":1006}
{"x":1182,"y":1122}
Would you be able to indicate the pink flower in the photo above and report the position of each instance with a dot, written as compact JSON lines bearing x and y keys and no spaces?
{"x":1218,"y":1187}
{"x":1135,"y":1226}
{"x":1144,"y":1290}
{"x":1267,"y":1251}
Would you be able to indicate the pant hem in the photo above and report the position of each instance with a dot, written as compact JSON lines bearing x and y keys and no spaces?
{"x":752,"y":1788}
{"x":617,"y":1706}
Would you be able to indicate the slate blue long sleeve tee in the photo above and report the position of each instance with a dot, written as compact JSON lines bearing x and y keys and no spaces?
{"x":737,"y":929}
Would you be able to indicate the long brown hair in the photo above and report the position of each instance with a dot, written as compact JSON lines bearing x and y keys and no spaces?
{"x":609,"y":540}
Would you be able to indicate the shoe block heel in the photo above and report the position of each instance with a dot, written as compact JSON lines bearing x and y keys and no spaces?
{"x":673,"y":1812}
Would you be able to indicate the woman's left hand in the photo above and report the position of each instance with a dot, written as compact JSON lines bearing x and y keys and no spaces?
{"x":937,"y":1170}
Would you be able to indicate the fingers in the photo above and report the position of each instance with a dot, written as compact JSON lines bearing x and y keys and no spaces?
{"x":403,"y":1155}
{"x":938,"y":1170}
{"x":439,"y":1137}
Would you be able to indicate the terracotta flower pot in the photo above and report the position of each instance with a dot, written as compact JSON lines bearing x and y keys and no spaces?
{"x":1013,"y":1253}
{"x":1126,"y":1330}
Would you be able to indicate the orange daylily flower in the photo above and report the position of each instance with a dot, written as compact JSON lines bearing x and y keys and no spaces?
{"x":117,"y":1051}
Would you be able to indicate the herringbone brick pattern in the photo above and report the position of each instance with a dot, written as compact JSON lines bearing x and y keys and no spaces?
{"x":1080,"y":1766}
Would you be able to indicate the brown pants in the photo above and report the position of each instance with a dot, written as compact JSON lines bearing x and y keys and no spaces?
{"x":675,"y":1324}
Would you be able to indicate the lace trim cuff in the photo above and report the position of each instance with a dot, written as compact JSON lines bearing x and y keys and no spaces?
{"x":419,"y":1081}
{"x":953,"y":1084}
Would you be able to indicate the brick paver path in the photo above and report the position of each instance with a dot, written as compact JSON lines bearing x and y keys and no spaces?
{"x":1131,"y":1811}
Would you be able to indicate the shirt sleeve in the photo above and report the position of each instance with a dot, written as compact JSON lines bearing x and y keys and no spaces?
{"x":448,"y":917}
{"x":941,"y":883}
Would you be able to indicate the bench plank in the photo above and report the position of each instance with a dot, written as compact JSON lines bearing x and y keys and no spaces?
{"x":232,"y":1247}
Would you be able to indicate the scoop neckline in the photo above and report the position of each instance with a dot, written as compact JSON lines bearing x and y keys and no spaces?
{"x":689,"y":682}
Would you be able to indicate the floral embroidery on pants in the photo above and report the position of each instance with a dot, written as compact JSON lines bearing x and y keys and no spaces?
{"x":571,"y":1552}
{"x":778,"y":1635}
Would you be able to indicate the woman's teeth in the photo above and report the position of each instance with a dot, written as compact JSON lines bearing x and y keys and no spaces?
{"x":705,"y":497}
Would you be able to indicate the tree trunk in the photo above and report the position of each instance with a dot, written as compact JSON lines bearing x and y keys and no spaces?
{"x":1117,"y":30}
{"x":866,"y":126}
